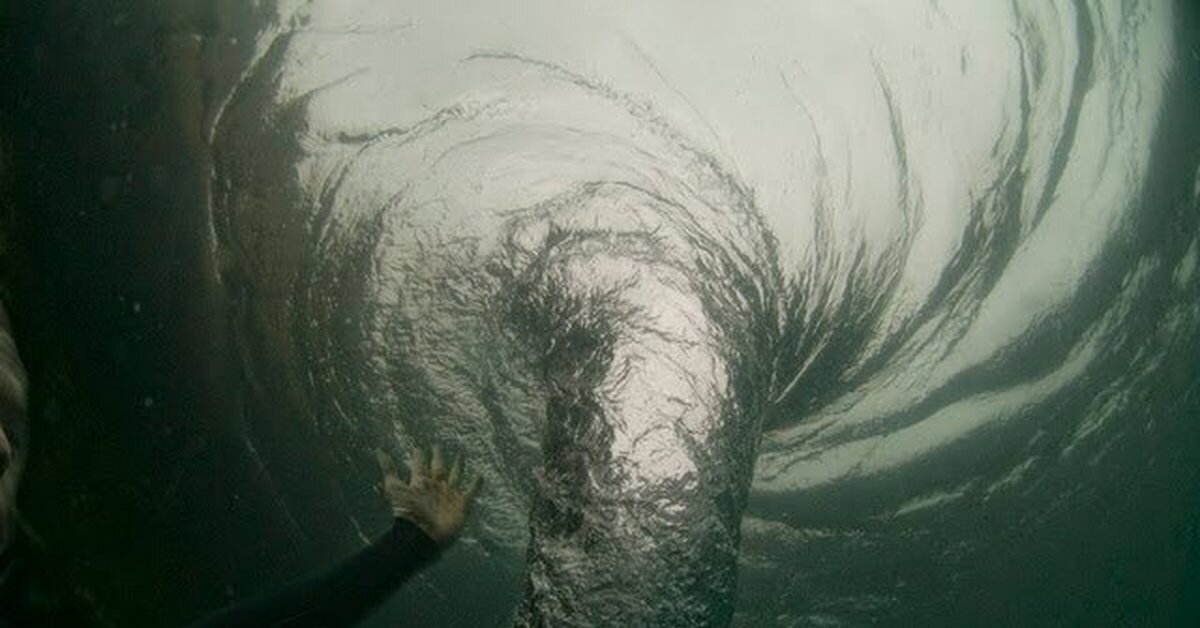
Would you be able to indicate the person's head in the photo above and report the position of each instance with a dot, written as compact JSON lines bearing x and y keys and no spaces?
{"x":9,"y":476}
{"x":13,"y":427}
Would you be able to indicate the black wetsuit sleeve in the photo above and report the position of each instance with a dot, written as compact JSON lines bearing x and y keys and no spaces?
{"x":341,"y":597}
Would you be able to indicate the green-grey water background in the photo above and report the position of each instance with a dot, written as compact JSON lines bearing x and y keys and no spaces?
{"x":190,"y":432}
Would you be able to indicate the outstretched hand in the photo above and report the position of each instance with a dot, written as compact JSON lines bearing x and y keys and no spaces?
{"x":431,"y":498}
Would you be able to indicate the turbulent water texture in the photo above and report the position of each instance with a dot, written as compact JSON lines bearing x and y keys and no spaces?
{"x":837,"y":296}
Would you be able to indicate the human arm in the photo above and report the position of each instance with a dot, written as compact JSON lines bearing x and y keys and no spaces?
{"x":430,"y":511}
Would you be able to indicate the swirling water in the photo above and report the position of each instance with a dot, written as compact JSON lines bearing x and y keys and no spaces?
{"x":766,"y":314}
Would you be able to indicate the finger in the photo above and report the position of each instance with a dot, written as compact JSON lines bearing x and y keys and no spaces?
{"x":386,"y":465}
{"x":416,"y":464}
{"x":437,"y":468}
{"x":476,"y":484}
{"x":455,"y":471}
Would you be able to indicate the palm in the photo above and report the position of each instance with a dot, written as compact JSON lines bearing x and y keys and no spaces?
{"x":431,"y":497}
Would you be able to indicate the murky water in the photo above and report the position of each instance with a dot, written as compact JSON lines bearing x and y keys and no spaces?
{"x":901,"y":260}
{"x":752,"y":314}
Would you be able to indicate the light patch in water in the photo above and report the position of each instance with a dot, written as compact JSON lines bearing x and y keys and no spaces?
{"x":1196,"y":188}
{"x":1187,"y":266}
{"x":930,"y":500}
{"x":1013,"y":478}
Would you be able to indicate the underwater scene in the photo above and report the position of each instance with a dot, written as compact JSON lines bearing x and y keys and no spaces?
{"x":762,"y":313}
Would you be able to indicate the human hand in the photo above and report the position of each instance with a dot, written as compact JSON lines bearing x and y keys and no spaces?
{"x":431,"y":498}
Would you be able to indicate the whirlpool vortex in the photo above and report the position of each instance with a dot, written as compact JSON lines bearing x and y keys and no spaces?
{"x":699,"y":303}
